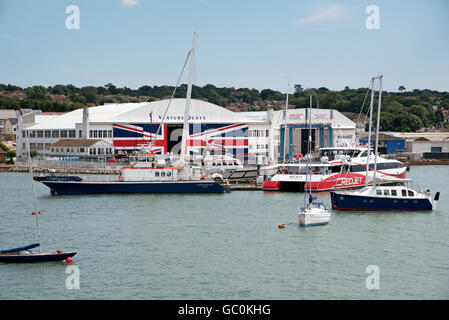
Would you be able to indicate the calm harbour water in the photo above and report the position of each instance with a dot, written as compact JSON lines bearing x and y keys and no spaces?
{"x":224,"y":246}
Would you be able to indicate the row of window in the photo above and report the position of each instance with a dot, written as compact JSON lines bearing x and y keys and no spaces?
{"x":380,"y":166}
{"x":258,"y":133}
{"x":67,"y":134}
{"x":100,"y":133}
{"x":92,"y":151}
{"x":404,"y":192}
{"x":162,"y":173}
{"x":259,"y":146}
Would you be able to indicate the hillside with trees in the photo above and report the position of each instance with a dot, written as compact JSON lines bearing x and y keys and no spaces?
{"x":401,"y":111}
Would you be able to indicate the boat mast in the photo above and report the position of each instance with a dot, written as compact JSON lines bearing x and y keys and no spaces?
{"x":36,"y":212}
{"x":369,"y":130}
{"x":308,"y":155}
{"x":285,"y":119}
{"x":185,"y":130}
{"x":377,"y":129}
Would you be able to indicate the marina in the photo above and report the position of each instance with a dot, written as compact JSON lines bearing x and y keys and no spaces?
{"x":191,"y":246}
{"x":249,"y":152}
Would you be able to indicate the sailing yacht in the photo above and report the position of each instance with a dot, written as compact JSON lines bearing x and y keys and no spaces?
{"x":383,"y":198}
{"x":314,"y":212}
{"x":25,"y":253}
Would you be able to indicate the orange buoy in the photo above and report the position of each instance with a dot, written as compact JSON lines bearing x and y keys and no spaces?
{"x":39,"y":212}
{"x":33,"y":213}
{"x":281,"y":226}
{"x":68,"y":260}
{"x":59,"y":251}
{"x":299,"y":221}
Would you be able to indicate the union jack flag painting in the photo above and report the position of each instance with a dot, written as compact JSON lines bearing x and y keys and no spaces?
{"x":132,"y":137}
{"x":231,"y":138}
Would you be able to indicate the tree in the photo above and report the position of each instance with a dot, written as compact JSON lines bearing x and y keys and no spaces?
{"x":11,"y":155}
{"x":401,"y":88}
{"x":298,"y":89}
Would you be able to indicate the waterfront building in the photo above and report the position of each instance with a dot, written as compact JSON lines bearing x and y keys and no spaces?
{"x":252,"y":137}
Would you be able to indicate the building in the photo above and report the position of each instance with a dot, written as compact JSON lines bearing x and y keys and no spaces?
{"x":75,"y":149}
{"x":8,"y":124}
{"x":414,"y":145}
{"x":388,"y":142}
{"x":252,"y":137}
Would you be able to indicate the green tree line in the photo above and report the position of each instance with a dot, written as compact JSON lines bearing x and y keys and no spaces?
{"x":401,"y":111}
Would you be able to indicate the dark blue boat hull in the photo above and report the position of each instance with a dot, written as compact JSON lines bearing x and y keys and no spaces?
{"x":351,"y":202}
{"x":74,"y":187}
{"x":36,"y":257}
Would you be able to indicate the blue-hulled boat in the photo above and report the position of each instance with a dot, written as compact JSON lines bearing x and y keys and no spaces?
{"x":23,"y":254}
{"x":384,"y":198}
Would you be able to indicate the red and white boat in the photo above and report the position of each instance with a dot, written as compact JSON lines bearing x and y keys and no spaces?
{"x":338,"y":168}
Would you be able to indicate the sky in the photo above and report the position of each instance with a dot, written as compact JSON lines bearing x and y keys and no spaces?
{"x":241,"y":43}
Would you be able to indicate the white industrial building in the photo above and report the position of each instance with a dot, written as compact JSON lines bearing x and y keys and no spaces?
{"x":253,"y":137}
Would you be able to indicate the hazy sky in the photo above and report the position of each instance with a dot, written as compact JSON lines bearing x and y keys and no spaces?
{"x":254,"y":44}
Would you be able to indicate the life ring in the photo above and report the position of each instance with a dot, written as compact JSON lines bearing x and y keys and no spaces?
{"x":251,"y":181}
{"x":121,"y":178}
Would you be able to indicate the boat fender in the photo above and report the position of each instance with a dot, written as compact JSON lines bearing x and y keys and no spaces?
{"x":281,"y":226}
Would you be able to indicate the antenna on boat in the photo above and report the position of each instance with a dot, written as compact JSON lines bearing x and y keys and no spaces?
{"x":369,"y":130}
{"x":170,"y":101}
{"x":285,"y":116}
{"x":185,"y":130}
{"x":35,"y":212}
{"x":377,"y":129}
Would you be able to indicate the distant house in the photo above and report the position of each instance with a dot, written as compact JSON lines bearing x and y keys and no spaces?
{"x":446,"y":116}
{"x":92,"y":149}
{"x":388,"y":142}
{"x":6,"y":129}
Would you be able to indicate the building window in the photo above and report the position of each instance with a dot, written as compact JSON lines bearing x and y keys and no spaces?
{"x":100,"y":134}
{"x":105,"y":133}
{"x":72,"y":134}
{"x":90,"y":134}
{"x":63,"y":133}
{"x":267,"y":133}
{"x":95,"y":134}
{"x":55,"y":134}
{"x":40,"y":133}
{"x":47,"y":134}
{"x":82,"y":150}
{"x":32,"y":134}
{"x":109,"y":133}
{"x":80,"y":134}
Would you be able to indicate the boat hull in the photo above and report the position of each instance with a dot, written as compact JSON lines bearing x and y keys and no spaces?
{"x":35,"y":257}
{"x":366,"y":203}
{"x":309,"y":219}
{"x":87,"y":187}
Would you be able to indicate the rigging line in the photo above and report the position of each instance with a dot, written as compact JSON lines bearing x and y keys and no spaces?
{"x":171,"y":99}
{"x":30,"y":164}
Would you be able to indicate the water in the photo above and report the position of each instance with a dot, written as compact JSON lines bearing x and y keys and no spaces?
{"x":222,"y":246}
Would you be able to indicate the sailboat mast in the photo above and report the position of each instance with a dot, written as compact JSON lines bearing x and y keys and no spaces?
{"x":285,"y":120}
{"x":377,"y":130}
{"x":309,"y":143}
{"x":185,"y":130}
{"x":369,"y":130}
{"x":36,"y":212}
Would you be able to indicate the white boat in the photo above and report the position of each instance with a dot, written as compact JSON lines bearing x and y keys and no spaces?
{"x":338,"y":168}
{"x":313,"y":213}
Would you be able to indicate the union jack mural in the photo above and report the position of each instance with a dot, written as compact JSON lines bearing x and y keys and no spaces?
{"x":231,"y":138}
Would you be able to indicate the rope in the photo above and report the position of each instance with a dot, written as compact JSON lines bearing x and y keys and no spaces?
{"x":171,"y":99}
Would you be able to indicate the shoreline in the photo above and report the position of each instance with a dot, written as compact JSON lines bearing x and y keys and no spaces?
{"x":70,"y":170}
